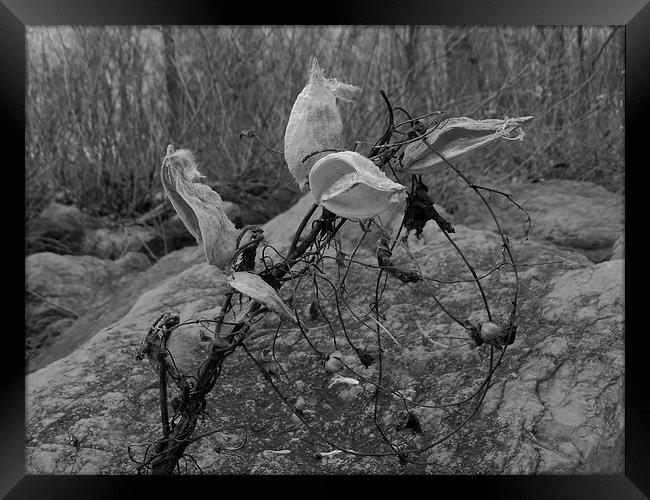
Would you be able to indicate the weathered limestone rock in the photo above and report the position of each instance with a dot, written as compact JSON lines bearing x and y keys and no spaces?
{"x":619,"y":248}
{"x":580,"y":216}
{"x":99,"y":304}
{"x":59,"y":228}
{"x":112,"y":244}
{"x":62,"y":288}
{"x":66,"y":230}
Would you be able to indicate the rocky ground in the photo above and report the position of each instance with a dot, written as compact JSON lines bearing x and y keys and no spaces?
{"x":555,"y":405}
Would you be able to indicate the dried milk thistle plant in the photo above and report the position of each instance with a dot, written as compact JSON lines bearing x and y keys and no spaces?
{"x":348,"y":188}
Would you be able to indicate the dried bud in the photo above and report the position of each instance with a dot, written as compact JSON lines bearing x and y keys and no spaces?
{"x":314,"y":123}
{"x":199,"y":207}
{"x":384,"y":253}
{"x":350,"y":185}
{"x":455,"y":136}
{"x":490,"y":331}
{"x":334,"y":362}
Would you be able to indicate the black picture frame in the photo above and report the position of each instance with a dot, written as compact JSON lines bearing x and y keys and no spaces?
{"x":15,"y":15}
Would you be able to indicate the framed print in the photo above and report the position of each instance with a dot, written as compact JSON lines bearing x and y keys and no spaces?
{"x":381,"y":243}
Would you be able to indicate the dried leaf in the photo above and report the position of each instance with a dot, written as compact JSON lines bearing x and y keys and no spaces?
{"x":246,"y":259}
{"x":350,"y":185}
{"x":365,"y":357}
{"x":314,"y":123}
{"x":199,"y":207}
{"x":256,"y":288}
{"x":455,"y":136}
{"x":412,"y":422}
{"x":384,"y":255}
{"x":314,"y":312}
{"x":419,"y":210}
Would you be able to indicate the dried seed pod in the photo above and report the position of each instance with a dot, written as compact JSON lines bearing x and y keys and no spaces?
{"x":490,"y":331}
{"x":350,"y":185}
{"x":314,"y":123}
{"x":455,"y":136}
{"x":199,"y":207}
{"x":334,"y":362}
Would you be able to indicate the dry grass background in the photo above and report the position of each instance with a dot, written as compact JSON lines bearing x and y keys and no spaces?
{"x":103,"y":103}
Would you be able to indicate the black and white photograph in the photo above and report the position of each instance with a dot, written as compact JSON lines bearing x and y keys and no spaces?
{"x":325,"y":250}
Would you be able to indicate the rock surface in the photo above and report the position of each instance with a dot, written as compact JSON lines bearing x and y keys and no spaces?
{"x":233,"y":212}
{"x":279,"y":231}
{"x":62,"y":288}
{"x":171,"y":235}
{"x":65,"y":230}
{"x":580,"y":216}
{"x":59,"y":228}
{"x":555,"y":404}
{"x":111,"y":298}
{"x":619,"y":248}
{"x":112,"y":244}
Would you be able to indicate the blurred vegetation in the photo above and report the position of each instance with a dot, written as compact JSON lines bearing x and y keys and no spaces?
{"x":103,"y":103}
